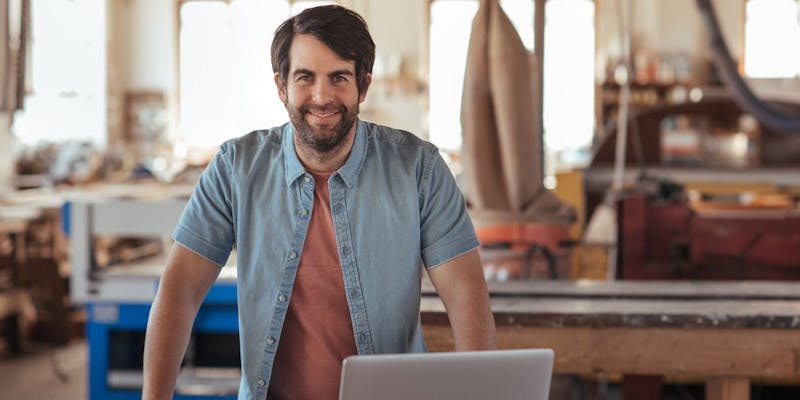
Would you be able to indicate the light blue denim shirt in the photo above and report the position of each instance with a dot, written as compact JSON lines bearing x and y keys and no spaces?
{"x":395,"y":207}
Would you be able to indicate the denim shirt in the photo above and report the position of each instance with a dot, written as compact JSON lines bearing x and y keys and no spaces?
{"x":395,"y":208}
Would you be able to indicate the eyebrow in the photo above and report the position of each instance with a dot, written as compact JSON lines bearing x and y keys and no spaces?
{"x":303,"y":71}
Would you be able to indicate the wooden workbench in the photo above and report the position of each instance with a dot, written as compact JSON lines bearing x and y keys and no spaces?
{"x":726,"y":333}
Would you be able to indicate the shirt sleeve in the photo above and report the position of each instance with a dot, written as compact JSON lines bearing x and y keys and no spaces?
{"x":446,"y":229}
{"x":206,"y":224}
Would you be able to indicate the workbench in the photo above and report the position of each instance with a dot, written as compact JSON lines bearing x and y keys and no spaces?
{"x":725,"y":333}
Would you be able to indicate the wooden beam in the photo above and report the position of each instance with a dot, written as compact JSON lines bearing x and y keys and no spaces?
{"x":706,"y":353}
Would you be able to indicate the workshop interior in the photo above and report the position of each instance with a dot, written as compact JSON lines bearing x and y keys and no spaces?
{"x":635,"y":193}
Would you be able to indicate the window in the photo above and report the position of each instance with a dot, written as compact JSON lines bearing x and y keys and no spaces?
{"x":449,"y":36}
{"x":568,"y":70}
{"x":226,"y":82}
{"x":569,"y":78}
{"x":772,"y":34}
{"x":68,"y":102}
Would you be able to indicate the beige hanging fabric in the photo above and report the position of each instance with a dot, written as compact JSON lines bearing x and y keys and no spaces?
{"x":499,"y":120}
{"x":14,"y":34}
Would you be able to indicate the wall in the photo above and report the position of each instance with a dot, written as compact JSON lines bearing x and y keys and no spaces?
{"x":398,"y":29}
{"x":146,"y":47}
{"x":142,"y":56}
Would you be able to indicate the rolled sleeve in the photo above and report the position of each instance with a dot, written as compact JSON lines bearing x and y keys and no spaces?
{"x":446,"y":229}
{"x":206,"y":224}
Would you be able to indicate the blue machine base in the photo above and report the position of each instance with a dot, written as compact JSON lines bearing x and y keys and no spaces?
{"x":218,"y":314}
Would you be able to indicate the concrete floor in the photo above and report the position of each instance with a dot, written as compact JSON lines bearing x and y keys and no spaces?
{"x":45,"y":372}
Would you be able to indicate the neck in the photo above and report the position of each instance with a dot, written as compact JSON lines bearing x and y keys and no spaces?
{"x":328,"y":161}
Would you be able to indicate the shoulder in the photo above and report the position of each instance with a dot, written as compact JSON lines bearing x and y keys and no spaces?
{"x":384,"y":138}
{"x":254,"y":142}
{"x":257,"y":146}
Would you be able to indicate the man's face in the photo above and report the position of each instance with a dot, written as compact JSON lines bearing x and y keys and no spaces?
{"x":320,"y":94}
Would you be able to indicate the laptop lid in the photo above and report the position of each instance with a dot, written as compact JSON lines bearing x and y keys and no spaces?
{"x":498,"y":375}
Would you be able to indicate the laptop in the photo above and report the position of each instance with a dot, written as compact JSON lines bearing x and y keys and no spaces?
{"x":496,"y":375}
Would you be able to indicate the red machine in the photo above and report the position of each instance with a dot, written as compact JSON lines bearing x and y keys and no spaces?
{"x":671,"y":239}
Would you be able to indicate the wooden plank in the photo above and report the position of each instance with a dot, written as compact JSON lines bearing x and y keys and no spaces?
{"x":12,"y":225}
{"x":721,"y":353}
{"x":605,"y":313}
{"x":674,"y":289}
{"x":727,"y":389}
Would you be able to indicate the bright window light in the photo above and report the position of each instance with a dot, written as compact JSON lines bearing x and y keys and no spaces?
{"x":772,"y":34}
{"x":298,"y":6}
{"x":226,"y":80}
{"x":68,"y":102}
{"x":568,"y":75}
{"x":451,"y":23}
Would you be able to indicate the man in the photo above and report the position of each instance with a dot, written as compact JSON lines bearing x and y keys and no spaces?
{"x":330,"y":217}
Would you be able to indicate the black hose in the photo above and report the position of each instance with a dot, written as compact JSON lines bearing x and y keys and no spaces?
{"x":742,"y":94}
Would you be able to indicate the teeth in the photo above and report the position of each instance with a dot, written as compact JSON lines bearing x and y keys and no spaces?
{"x":324,"y":115}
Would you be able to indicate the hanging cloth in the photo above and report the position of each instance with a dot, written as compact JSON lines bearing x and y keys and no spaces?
{"x":500,"y":124}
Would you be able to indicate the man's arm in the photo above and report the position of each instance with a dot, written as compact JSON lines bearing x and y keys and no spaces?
{"x":182,"y":289}
{"x":462,"y":288}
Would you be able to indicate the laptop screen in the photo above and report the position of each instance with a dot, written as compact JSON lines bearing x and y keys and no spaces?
{"x":500,"y":375}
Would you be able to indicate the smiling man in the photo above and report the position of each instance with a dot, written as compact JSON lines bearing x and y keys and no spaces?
{"x":332,"y":218}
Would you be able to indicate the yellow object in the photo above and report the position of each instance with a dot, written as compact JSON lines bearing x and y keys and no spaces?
{"x":569,"y":188}
{"x":590,"y":261}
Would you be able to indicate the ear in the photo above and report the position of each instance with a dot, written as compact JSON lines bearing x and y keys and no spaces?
{"x":363,"y":95}
{"x":281,"y":88}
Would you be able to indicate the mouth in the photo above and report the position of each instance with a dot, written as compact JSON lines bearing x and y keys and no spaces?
{"x":324,"y":117}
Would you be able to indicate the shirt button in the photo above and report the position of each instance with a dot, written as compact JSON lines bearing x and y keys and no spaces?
{"x":282,"y":298}
{"x":270,"y":340}
{"x":346,"y":250}
{"x":292,"y":255}
{"x":306,"y":179}
{"x":303,"y":212}
{"x":261,"y":382}
{"x":354,"y":293}
{"x":337,"y":207}
{"x":362,"y":338}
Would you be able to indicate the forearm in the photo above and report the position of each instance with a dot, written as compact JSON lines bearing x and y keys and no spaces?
{"x":183,"y":286}
{"x":168,"y":330}
{"x":472,"y":321}
{"x":463,"y":291}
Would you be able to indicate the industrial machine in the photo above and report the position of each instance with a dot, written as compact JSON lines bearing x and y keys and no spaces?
{"x":679,"y":239}
{"x":118,"y":298}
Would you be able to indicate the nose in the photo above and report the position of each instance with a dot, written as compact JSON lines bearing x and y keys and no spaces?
{"x":322,"y":93}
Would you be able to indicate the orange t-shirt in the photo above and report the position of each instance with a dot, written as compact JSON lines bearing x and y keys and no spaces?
{"x":317,"y":332}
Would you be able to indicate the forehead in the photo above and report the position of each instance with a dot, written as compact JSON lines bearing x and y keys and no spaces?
{"x":307,"y":52}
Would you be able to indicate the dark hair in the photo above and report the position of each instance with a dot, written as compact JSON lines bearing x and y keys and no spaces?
{"x":342,"y":30}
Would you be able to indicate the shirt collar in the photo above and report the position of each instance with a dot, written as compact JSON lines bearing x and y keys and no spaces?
{"x":349,"y":171}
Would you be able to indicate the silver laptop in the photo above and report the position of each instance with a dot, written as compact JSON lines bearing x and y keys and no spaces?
{"x":496,"y":375}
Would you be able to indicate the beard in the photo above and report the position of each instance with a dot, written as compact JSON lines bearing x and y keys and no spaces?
{"x":322,"y":139}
